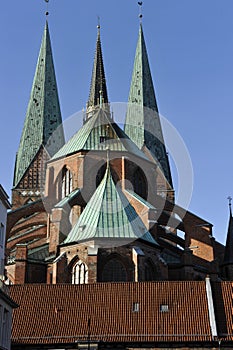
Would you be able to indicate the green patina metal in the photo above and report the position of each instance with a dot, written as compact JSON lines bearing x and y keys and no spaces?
{"x":109,"y":215}
{"x":98,"y":81}
{"x":39,"y":253}
{"x":142,"y":123}
{"x":140,"y":199}
{"x":66,"y":200}
{"x":98,"y":134}
{"x":43,"y":117}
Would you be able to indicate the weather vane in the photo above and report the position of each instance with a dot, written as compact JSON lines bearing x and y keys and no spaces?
{"x":98,"y":22}
{"x":140,"y":10}
{"x":47,"y":12}
{"x":229,"y":199}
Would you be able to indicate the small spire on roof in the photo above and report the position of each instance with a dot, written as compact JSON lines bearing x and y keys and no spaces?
{"x":140,"y":10}
{"x":98,"y":81}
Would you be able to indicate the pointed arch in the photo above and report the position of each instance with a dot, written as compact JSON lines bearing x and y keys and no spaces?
{"x":139,"y":183}
{"x":152,"y":271}
{"x":114,"y":271}
{"x":67,"y":182}
{"x":79,"y":272}
{"x":115,"y":268}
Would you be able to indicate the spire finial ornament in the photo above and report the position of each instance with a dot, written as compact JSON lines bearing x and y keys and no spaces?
{"x":98,"y":23}
{"x":140,"y":10}
{"x":47,"y":7}
{"x":229,"y":199}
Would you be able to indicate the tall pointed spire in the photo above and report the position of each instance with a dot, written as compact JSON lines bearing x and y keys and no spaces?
{"x":43,"y":115}
{"x":142,"y":119}
{"x":98,"y":90}
{"x":228,"y":255}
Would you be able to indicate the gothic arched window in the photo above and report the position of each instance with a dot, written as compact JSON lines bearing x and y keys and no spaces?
{"x":80,"y":273}
{"x":114,"y":271}
{"x":139,"y":183}
{"x":67,"y":182}
{"x":151,"y":271}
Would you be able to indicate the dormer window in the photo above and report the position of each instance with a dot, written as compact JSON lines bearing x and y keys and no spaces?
{"x":135,"y":307}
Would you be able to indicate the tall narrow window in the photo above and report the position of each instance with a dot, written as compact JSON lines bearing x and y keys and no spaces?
{"x":139,"y":183}
{"x":67,"y":182}
{"x":80,"y":273}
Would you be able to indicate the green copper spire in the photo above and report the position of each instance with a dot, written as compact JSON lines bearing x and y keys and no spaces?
{"x":142,"y":119}
{"x":43,"y":115}
{"x":98,"y":90}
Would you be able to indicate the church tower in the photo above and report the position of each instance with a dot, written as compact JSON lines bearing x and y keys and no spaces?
{"x":41,"y":138}
{"x":142,"y":123}
{"x":42,"y":134}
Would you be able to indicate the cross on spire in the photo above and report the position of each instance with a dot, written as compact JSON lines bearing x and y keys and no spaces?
{"x":47,"y":8}
{"x":140,"y":10}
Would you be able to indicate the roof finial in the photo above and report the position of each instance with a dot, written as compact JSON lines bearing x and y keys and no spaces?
{"x":140,"y":10}
{"x":98,"y":23}
{"x":229,"y":199}
{"x":47,"y":7}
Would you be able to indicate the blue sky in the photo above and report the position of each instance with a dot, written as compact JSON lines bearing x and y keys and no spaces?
{"x":190,"y":47}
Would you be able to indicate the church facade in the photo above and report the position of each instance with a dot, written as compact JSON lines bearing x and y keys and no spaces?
{"x":101,"y":206}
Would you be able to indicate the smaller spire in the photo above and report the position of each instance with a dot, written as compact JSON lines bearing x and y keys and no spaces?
{"x":98,"y":91}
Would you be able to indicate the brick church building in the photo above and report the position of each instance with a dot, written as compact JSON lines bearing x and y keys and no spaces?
{"x":98,"y":253}
{"x":101,"y":207}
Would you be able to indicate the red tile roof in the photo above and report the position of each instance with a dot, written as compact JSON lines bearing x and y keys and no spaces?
{"x":50,"y":314}
{"x":223,"y":299}
{"x":59,"y":313}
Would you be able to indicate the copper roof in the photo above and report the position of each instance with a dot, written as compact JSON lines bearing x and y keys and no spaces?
{"x":143,"y":125}
{"x":167,"y":312}
{"x":43,"y":117}
{"x":109,"y":215}
{"x":98,"y":81}
{"x":89,"y":137}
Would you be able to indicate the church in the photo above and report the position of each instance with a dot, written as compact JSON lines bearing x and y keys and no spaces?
{"x":98,"y":253}
{"x":101,"y":206}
